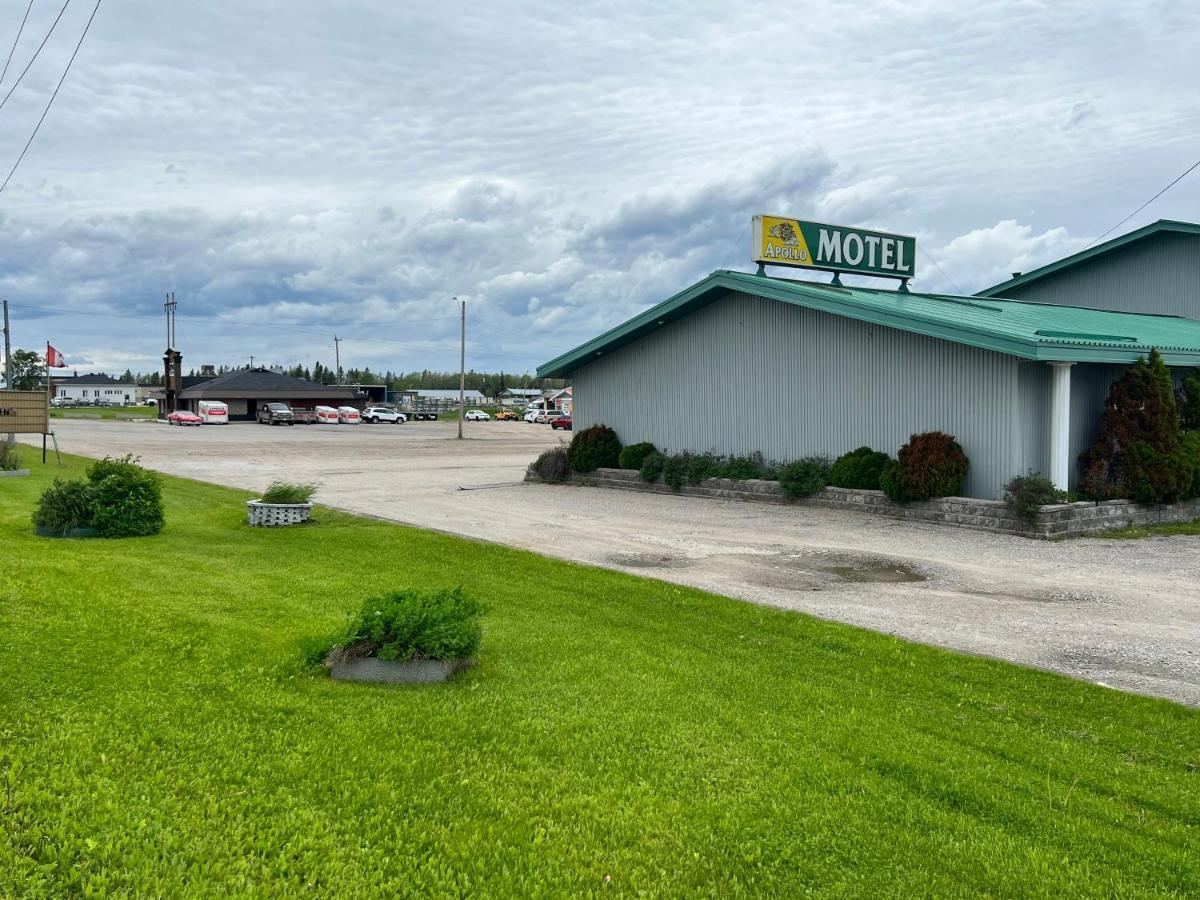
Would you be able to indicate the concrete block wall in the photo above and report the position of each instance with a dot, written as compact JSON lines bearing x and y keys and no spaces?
{"x":1058,"y":521}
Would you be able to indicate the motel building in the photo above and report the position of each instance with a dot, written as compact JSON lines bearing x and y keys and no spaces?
{"x":796,"y":366}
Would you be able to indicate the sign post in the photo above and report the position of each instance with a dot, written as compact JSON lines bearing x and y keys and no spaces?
{"x":780,"y":241}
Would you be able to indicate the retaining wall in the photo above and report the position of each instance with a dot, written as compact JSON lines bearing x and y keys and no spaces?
{"x":1058,"y":521}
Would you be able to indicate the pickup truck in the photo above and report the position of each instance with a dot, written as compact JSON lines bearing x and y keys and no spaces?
{"x":276,"y":414}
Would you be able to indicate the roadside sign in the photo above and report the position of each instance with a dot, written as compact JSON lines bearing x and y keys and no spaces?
{"x":24,"y":412}
{"x":780,"y":241}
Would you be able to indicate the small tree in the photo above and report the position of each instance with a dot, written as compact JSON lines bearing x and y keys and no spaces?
{"x":1189,"y":402}
{"x":1138,"y":453}
{"x":28,"y":370}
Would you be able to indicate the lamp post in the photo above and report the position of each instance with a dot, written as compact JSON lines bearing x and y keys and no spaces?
{"x":462,"y":366}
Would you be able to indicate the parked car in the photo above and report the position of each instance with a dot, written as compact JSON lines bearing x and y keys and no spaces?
{"x":276,"y":414}
{"x":507,"y":415}
{"x":546,"y":416}
{"x":476,"y":415}
{"x":183,"y":417}
{"x":532,"y":414}
{"x":377,"y":414}
{"x":563,"y":422}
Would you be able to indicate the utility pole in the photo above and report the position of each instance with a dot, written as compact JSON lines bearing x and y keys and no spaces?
{"x":337,"y":358}
{"x":7,"y":351}
{"x":462,"y":367}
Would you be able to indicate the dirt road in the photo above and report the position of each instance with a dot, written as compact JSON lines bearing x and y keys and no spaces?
{"x":1124,"y":614}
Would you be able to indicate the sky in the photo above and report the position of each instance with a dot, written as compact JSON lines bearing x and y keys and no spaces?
{"x":298,"y":170}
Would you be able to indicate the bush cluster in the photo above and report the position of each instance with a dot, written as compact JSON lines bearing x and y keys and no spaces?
{"x":1025,"y":493}
{"x":408,"y":625}
{"x":634,"y":455}
{"x":859,"y":469}
{"x":118,"y":498}
{"x":594,"y":448}
{"x":10,"y":459}
{"x":1139,"y":452}
{"x":805,"y":477}
{"x":931,"y":464}
{"x":551,"y":466}
{"x":284,"y":492}
{"x":652,"y":466}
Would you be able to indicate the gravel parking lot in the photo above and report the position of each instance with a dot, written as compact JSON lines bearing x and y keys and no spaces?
{"x":1123,"y":614}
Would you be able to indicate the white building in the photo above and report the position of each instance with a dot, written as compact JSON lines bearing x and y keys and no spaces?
{"x":97,"y":389}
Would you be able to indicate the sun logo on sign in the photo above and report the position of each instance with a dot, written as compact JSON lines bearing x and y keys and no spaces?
{"x":786,"y":233}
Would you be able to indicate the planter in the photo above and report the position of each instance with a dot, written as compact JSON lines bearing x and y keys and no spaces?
{"x":274,"y":515}
{"x":390,"y":671}
{"x":71,"y":533}
{"x":14,"y":473}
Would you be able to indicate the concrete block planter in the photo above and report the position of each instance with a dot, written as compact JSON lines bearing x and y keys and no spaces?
{"x":14,"y":473}
{"x":276,"y":515}
{"x":1058,"y":521}
{"x":390,"y":671}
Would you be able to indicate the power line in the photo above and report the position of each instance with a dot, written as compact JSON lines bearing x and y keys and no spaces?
{"x":940,"y":269}
{"x":50,"y":102}
{"x":16,"y":41}
{"x":1190,"y":169}
{"x":36,"y":52}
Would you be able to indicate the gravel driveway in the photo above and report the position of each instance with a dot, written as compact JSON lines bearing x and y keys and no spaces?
{"x":1120,"y":613}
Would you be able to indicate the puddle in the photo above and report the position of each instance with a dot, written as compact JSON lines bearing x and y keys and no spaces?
{"x":873,"y":573}
{"x":646,"y":561}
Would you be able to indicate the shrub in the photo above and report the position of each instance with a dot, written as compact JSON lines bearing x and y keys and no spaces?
{"x":1191,"y":450}
{"x":859,"y":469}
{"x":64,"y":506}
{"x":930,"y":465}
{"x":288,"y":492}
{"x":594,"y":448}
{"x":674,"y":471}
{"x":126,"y":499}
{"x":652,"y":466}
{"x":634,"y":455}
{"x":742,"y":468}
{"x":10,"y":459}
{"x":1025,"y":493}
{"x":1138,"y":453}
{"x":1188,"y":402}
{"x":700,"y":466}
{"x":409,"y":625}
{"x":551,"y":466}
{"x":804,"y":476}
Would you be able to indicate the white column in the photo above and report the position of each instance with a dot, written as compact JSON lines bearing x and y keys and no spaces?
{"x":1060,"y":424}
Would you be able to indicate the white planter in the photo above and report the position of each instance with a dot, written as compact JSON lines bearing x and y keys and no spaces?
{"x":273,"y":515}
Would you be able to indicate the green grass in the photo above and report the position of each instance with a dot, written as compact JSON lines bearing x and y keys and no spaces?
{"x":158,"y":736}
{"x":104,"y":412}
{"x":1141,"y":531}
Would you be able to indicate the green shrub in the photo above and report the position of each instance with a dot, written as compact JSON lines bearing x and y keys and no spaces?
{"x":1188,"y":402}
{"x":10,"y":458}
{"x":551,"y":466}
{"x":408,"y":625}
{"x":859,"y":469}
{"x":1191,"y":449}
{"x":1025,"y":493}
{"x":674,"y":471}
{"x":1138,"y":453}
{"x":288,"y":492}
{"x":64,"y":506}
{"x":126,"y":499}
{"x":594,"y":448}
{"x":930,"y":465}
{"x":634,"y":455}
{"x":652,"y":466}
{"x":742,"y":468}
{"x":701,"y":466}
{"x":804,"y":476}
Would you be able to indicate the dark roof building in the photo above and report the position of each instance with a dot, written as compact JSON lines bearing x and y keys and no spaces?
{"x":245,"y":390}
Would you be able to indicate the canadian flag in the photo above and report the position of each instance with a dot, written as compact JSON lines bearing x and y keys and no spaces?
{"x":54,"y":359}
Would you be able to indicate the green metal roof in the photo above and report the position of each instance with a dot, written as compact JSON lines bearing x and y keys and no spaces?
{"x":1029,"y":330}
{"x":1162,"y":226}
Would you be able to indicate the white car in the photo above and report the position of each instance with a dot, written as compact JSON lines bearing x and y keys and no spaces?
{"x":546,"y":416}
{"x":377,"y":414}
{"x":532,"y":414}
{"x":476,"y":415}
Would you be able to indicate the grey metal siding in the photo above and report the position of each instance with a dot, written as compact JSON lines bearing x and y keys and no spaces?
{"x":1032,"y":416}
{"x":748,"y":374}
{"x":1157,"y":275}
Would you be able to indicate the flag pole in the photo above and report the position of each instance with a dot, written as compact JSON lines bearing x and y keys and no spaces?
{"x":47,"y":403}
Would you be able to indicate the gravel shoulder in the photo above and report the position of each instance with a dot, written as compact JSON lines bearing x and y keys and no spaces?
{"x":1122,"y":614}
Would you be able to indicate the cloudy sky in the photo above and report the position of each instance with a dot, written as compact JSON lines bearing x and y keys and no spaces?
{"x":295,"y":170}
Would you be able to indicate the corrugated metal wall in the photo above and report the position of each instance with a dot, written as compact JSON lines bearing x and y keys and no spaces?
{"x":1157,"y":275}
{"x":746,"y":374}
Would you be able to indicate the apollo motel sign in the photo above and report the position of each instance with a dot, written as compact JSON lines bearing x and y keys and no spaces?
{"x":780,"y":241}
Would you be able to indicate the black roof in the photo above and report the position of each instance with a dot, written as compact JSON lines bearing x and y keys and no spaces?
{"x":263,"y":384}
{"x":92,"y":378}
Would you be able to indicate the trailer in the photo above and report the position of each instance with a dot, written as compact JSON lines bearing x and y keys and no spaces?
{"x":213,"y":412}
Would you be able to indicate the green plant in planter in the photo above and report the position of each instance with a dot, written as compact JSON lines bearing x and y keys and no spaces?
{"x":64,"y":507}
{"x":859,"y":469}
{"x":804,"y":476}
{"x":931,"y":464}
{"x":408,"y":625}
{"x":126,"y":499}
{"x":551,"y":466}
{"x":10,"y":459}
{"x":634,"y":455}
{"x":652,"y":467}
{"x":286,"y":492}
{"x":674,"y":471}
{"x":594,"y":448}
{"x":1024,"y":494}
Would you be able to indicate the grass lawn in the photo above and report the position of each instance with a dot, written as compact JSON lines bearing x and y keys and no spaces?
{"x":159,"y":737}
{"x":104,"y":412}
{"x":1165,"y":530}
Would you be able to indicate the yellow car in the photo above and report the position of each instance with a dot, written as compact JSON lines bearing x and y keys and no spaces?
{"x":506,"y":415}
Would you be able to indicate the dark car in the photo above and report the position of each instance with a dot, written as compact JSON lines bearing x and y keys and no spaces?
{"x":276,"y":414}
{"x":563,"y":422}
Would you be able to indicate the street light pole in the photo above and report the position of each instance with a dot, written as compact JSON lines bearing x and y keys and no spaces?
{"x":462,"y":366}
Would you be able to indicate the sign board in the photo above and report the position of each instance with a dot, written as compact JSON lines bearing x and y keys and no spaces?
{"x":780,"y":241}
{"x":24,"y":412}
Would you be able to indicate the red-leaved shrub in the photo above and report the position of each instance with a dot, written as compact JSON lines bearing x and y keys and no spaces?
{"x":930,"y":465}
